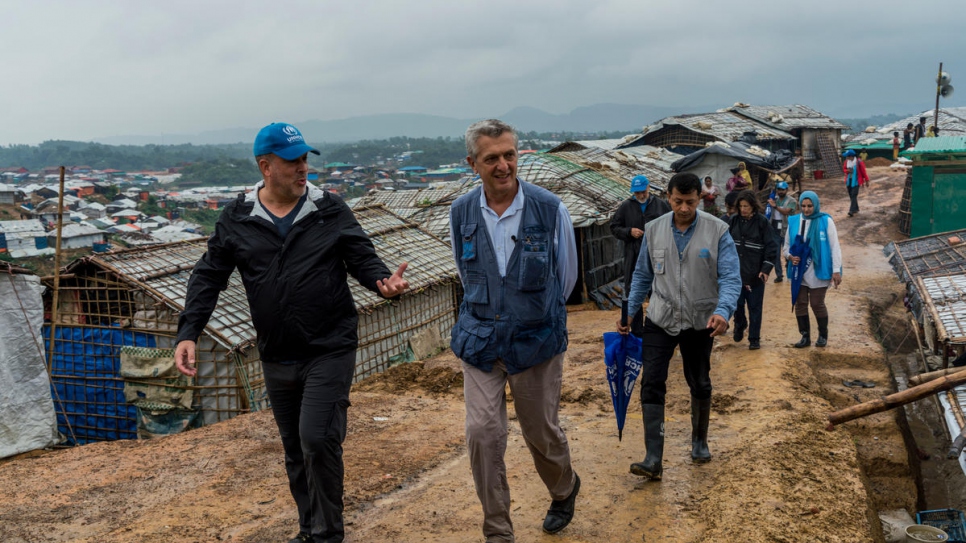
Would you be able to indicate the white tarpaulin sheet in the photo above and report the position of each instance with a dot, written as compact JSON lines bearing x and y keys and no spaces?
{"x":27,"y":418}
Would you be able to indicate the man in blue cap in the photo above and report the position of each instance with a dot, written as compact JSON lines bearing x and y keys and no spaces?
{"x":782,"y":206}
{"x":627,"y":225}
{"x":293,"y":245}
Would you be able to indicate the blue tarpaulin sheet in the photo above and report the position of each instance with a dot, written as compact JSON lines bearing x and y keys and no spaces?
{"x":87,"y":389}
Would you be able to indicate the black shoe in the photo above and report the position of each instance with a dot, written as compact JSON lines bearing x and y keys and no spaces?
{"x":739,"y":333}
{"x":804,"y":342}
{"x":821,"y":341}
{"x":561,"y":512}
{"x":850,"y":214}
{"x":779,"y":279}
{"x":301,"y":538}
{"x":753,"y":345}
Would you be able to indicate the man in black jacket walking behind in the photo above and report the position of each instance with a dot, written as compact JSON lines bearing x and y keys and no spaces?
{"x":627,"y":225}
{"x":293,"y":245}
{"x":757,"y":252}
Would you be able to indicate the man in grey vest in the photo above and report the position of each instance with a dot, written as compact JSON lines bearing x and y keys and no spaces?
{"x":515,"y":251}
{"x":689,"y":266}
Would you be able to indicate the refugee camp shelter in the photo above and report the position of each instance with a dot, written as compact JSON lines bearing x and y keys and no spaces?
{"x":719,"y":158}
{"x":590,"y":195}
{"x":817,"y":136}
{"x":8,"y":194}
{"x":938,"y":187}
{"x":952,"y":122}
{"x":116,"y":306}
{"x":685,"y":134}
{"x":26,"y":407}
{"x":75,"y":236}
{"x":622,"y":165}
{"x":934,"y":270}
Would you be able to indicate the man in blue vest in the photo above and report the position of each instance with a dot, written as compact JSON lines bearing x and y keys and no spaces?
{"x":689,"y":266}
{"x":515,"y":252}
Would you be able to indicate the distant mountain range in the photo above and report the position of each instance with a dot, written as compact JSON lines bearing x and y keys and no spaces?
{"x":596,"y":118}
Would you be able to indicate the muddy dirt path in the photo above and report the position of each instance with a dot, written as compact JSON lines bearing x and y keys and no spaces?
{"x":776,"y":473}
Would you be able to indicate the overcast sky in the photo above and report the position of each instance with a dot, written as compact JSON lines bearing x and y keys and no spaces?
{"x":87,"y":69}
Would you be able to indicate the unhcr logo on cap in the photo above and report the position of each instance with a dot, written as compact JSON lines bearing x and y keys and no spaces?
{"x":282,"y":140}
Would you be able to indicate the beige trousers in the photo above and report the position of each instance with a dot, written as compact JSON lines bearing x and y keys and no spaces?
{"x":536,"y":397}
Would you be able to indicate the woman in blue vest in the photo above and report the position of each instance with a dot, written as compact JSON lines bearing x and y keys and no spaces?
{"x":823,"y":268}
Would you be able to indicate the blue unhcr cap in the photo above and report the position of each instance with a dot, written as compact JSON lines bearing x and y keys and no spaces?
{"x":282,"y":140}
{"x":781,"y":185}
{"x":639,"y":183}
{"x":849,"y":152}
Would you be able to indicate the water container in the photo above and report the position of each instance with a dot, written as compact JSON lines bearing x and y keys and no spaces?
{"x":921,"y":533}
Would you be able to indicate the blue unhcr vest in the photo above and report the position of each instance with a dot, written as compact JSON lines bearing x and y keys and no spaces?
{"x":520,"y":319}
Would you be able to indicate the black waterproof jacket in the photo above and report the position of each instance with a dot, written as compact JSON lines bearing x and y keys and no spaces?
{"x":628,"y":216}
{"x":300,"y":301}
{"x":757,"y":246}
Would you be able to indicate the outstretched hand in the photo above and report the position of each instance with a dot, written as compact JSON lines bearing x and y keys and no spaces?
{"x":394,"y":285}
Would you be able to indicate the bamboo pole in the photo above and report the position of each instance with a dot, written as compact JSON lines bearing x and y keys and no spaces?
{"x":895,"y":400}
{"x":56,"y":297}
{"x":933,"y":375}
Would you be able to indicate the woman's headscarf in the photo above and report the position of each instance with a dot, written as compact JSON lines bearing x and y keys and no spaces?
{"x":815,"y":224}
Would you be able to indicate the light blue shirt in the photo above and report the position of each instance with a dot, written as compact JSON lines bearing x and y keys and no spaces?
{"x":503,"y":231}
{"x":729,"y":272}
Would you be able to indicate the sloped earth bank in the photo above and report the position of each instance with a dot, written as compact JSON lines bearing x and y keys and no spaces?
{"x":776,"y":475}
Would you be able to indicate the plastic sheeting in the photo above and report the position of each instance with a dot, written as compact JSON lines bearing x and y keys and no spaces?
{"x":89,"y":389}
{"x":27,"y":419}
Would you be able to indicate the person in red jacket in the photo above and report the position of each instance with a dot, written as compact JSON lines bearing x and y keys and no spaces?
{"x":855,"y":177}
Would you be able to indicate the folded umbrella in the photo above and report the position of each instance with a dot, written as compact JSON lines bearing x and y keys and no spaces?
{"x":622,"y":357}
{"x":796,"y":272}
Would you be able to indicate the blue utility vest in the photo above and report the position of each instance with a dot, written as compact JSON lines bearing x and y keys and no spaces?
{"x":520,"y":319}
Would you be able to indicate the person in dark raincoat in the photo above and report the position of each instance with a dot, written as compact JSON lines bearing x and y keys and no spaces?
{"x":627,"y":225}
{"x":823,"y":268}
{"x":757,"y":252}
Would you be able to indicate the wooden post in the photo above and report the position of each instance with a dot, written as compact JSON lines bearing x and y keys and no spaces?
{"x":56,"y":297}
{"x":935,"y":122}
{"x":895,"y":400}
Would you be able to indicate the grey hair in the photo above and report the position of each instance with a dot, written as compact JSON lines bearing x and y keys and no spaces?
{"x":492,"y":128}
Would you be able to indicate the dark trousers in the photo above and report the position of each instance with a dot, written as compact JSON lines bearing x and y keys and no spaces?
{"x":776,"y":226}
{"x":753,"y":299}
{"x":854,"y":197}
{"x":309,"y":400}
{"x":657,"y":350}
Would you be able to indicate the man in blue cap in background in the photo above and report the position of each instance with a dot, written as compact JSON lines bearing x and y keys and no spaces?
{"x":627,"y":225}
{"x":293,"y":245}
{"x":782,"y":206}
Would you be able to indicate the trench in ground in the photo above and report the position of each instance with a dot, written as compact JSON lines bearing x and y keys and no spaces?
{"x":901,"y":452}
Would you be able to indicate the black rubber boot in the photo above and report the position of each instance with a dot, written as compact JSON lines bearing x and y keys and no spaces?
{"x":805,"y":329}
{"x":822,"y":332}
{"x":700,"y":415}
{"x":651,"y":467}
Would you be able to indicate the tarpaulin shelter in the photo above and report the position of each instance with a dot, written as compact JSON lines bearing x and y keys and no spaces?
{"x":27,"y":420}
{"x":115,"y":301}
{"x":719,"y":158}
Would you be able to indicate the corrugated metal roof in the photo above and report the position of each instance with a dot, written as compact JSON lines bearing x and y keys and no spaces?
{"x":945,"y":296}
{"x":789,"y":117}
{"x":941,"y":144}
{"x":724,"y":125}
{"x":30,"y":225}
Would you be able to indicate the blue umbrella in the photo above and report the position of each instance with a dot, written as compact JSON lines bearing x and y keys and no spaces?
{"x":622,"y":355}
{"x":796,"y":272}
